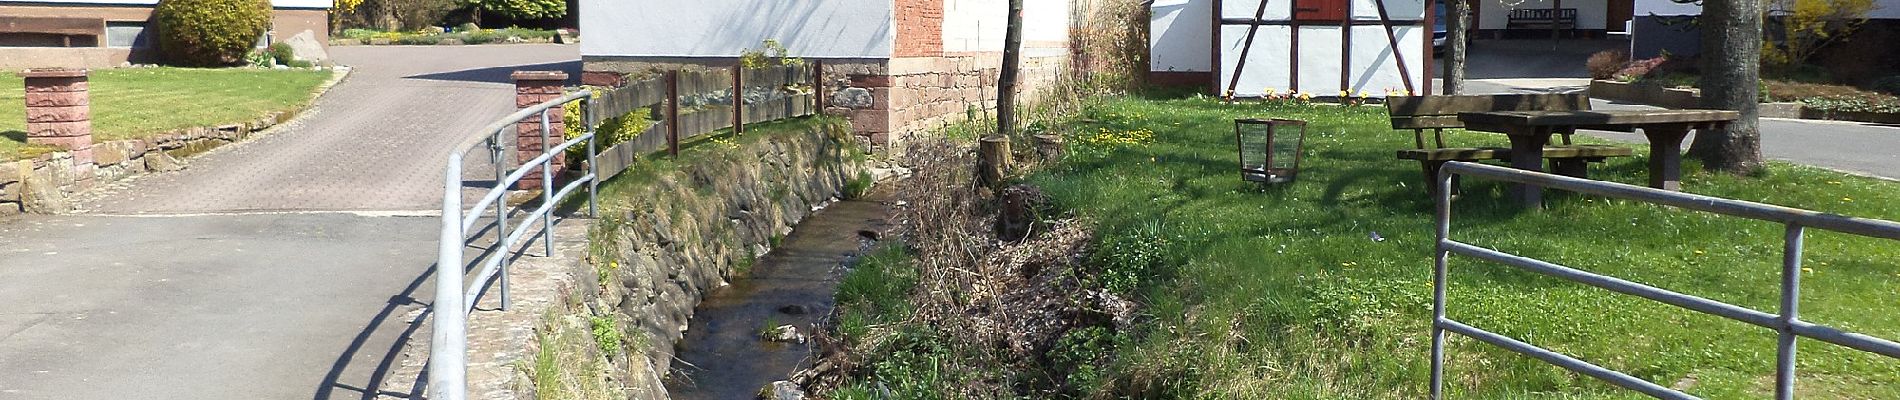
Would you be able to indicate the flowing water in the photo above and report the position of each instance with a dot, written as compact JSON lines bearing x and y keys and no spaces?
{"x":724,"y":354}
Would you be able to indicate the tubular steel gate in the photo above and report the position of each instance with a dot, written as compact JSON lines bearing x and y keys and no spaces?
{"x":449,"y":341}
{"x":1787,"y":322}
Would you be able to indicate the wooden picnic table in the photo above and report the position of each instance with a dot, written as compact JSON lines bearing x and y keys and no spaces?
{"x":1530,"y":131}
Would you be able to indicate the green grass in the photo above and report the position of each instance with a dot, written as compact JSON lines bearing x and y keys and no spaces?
{"x":139,"y":102}
{"x":1281,"y":292}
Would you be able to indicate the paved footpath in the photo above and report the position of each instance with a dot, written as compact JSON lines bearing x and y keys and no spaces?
{"x":288,"y":267}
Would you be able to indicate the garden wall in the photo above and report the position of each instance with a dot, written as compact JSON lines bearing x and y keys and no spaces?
{"x":49,"y":183}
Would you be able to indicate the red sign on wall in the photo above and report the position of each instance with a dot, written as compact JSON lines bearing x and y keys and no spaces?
{"x":1319,"y":10}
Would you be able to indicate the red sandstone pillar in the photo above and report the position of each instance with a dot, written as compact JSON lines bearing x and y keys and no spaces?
{"x":531,"y":88}
{"x":59,"y":111}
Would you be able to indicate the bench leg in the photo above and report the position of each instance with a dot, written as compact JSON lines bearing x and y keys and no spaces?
{"x":1571,"y":167}
{"x":1431,"y":175}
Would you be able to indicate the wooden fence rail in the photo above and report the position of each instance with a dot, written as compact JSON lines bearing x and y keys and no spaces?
{"x":681,"y":105}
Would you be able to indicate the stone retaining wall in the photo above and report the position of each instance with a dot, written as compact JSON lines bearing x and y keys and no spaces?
{"x":644,"y":267}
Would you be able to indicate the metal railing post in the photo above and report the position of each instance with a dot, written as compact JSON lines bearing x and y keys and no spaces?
{"x":593,"y":162}
{"x":447,"y":369}
{"x":501,"y":207}
{"x":1790,"y":311}
{"x":1439,"y":269}
{"x":547,"y":187}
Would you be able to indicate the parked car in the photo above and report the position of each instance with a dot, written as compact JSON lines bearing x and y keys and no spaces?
{"x":1438,"y":28}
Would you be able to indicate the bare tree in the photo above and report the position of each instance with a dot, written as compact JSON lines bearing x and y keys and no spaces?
{"x":1457,"y":33}
{"x":1006,"y":84}
{"x":1731,"y":78}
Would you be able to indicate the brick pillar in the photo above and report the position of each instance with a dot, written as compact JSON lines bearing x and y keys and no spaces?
{"x":59,"y":112}
{"x":531,"y":88}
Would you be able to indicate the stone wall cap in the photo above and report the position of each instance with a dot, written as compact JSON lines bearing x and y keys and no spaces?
{"x":53,"y":73}
{"x":540,"y":76}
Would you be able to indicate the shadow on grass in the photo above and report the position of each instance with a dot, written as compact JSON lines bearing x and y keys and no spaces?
{"x":17,"y":136}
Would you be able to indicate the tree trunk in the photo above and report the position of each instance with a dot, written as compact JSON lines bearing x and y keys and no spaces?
{"x":1006,"y":83}
{"x":1731,"y":76}
{"x":1458,"y":18}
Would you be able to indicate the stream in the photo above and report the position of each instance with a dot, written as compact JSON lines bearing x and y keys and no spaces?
{"x":724,"y":355}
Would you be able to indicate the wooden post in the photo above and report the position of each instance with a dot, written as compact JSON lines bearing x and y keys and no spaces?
{"x":673,"y":112}
{"x":738,"y":99}
{"x":993,"y":161}
{"x":818,"y":86}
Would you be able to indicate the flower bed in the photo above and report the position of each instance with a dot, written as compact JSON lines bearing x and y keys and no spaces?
{"x":435,"y":36}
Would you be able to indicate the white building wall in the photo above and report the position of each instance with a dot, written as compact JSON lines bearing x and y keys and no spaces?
{"x":978,"y":26}
{"x":1591,"y":14}
{"x":1180,"y":33}
{"x":1374,"y":67}
{"x":727,"y":28}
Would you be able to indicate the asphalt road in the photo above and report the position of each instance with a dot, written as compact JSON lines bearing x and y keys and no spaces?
{"x":288,"y":267}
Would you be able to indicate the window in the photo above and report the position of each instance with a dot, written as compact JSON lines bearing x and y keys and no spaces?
{"x":128,"y":34}
{"x":1319,"y":10}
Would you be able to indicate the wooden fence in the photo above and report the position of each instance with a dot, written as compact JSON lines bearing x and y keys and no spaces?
{"x":689,"y":104}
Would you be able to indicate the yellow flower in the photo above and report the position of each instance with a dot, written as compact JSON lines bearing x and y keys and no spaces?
{"x":1807,"y":270}
{"x":1847,"y":199}
{"x":1698,"y":252}
{"x":1833,"y":182}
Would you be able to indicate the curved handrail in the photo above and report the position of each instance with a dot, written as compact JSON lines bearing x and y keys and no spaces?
{"x":449,"y":345}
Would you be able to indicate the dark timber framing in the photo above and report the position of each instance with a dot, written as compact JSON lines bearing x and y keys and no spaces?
{"x":1346,"y":23}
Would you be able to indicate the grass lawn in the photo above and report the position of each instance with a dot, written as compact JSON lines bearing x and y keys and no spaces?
{"x":136,"y":102}
{"x":1283,"y":293}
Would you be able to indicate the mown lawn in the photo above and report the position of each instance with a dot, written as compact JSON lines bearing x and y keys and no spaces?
{"x":1284,"y":292}
{"x":136,"y":102}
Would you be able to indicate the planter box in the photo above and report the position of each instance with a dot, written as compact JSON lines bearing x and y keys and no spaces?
{"x":1645,"y":94}
{"x":1677,"y":98}
{"x":1856,"y":116}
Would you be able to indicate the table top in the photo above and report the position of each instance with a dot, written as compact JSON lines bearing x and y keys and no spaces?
{"x":1597,"y":118}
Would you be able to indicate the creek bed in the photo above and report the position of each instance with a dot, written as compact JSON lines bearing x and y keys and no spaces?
{"x":725,"y":354}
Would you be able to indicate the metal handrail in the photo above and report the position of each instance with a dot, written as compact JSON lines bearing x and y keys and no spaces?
{"x":448,"y":350}
{"x":1786,"y":321}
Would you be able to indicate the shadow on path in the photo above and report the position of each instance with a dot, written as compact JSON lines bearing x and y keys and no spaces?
{"x":503,"y":74}
{"x":385,"y":319}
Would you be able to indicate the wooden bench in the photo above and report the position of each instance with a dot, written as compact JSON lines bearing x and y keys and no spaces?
{"x":1542,"y":19}
{"x":1437,"y":113}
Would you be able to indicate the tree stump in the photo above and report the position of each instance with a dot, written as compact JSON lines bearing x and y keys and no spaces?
{"x":1049,"y":148}
{"x":993,"y":161}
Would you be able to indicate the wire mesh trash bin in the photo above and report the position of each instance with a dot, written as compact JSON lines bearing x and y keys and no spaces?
{"x":1270,"y":149}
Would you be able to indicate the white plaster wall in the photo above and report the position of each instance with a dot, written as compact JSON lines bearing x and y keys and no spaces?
{"x":726,"y":28}
{"x":978,"y":26}
{"x":1374,"y":68}
{"x":1591,"y":14}
{"x":273,"y":3}
{"x":1179,"y":35}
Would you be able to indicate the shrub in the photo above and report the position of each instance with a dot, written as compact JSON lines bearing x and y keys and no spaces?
{"x":1605,"y":64}
{"x":282,"y":52}
{"x":208,"y":33}
{"x":1888,"y":85}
